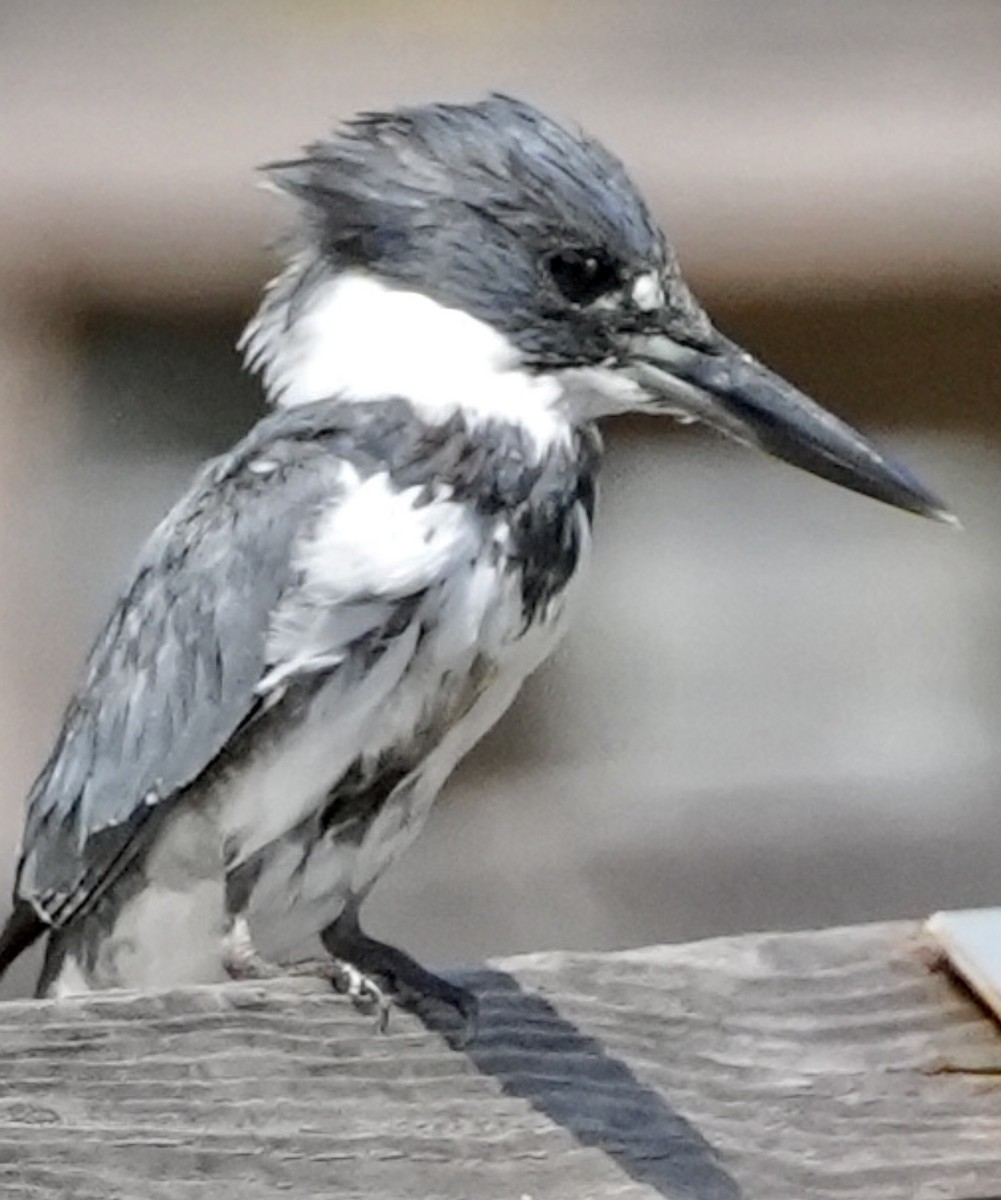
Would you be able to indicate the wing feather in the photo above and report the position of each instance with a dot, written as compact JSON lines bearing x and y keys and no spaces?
{"x":173,"y":674}
{"x":283,"y":556}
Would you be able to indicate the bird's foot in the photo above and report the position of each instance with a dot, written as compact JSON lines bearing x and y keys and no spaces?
{"x":344,"y":977}
{"x":391,"y":972}
{"x":242,"y":961}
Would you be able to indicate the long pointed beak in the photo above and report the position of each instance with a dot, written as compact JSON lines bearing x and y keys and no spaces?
{"x":723,"y":386}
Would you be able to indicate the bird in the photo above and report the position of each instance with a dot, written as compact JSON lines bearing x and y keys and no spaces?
{"x":341,"y":606}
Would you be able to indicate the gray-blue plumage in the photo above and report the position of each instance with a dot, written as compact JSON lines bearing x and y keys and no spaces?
{"x":486,"y":193}
{"x":339,"y":608}
{"x":171,"y":679}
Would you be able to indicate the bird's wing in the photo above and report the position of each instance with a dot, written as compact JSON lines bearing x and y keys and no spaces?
{"x":264,"y":571}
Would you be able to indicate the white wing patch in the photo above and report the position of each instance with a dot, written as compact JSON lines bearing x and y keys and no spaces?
{"x":375,"y":546}
{"x":380,"y":541}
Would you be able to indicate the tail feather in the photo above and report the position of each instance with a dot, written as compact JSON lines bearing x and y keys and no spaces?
{"x":24,"y":927}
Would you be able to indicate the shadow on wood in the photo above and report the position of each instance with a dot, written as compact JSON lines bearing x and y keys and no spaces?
{"x":820,"y":1066}
{"x":570,"y":1078}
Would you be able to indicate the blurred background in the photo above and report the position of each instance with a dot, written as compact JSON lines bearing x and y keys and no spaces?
{"x":781,"y":706}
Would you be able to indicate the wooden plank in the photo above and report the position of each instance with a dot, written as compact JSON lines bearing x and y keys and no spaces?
{"x":833,"y":1064}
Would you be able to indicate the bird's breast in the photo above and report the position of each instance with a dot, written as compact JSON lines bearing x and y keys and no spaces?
{"x":436,"y":586}
{"x":471,"y":645}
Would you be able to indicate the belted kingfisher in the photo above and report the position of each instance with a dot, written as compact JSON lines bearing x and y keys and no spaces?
{"x":342,"y":605}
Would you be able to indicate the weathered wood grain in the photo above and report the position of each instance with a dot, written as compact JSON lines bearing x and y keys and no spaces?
{"x":787,"y":1067}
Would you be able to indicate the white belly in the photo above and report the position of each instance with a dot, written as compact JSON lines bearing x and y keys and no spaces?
{"x":304,"y":877}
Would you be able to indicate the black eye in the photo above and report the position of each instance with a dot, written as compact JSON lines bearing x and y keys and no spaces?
{"x":581,"y":276}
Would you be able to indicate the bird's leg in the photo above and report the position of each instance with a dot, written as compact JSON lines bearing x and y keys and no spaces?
{"x":242,"y":961}
{"x":395,"y":973}
{"x":240,"y":956}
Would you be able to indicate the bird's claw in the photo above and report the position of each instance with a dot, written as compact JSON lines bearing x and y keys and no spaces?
{"x":347,"y":980}
{"x":363,"y":992}
{"x":401,"y":978}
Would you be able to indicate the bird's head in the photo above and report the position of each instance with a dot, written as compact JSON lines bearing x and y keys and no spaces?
{"x":483,"y":256}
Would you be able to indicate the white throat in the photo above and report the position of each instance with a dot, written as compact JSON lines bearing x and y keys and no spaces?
{"x":359,"y":338}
